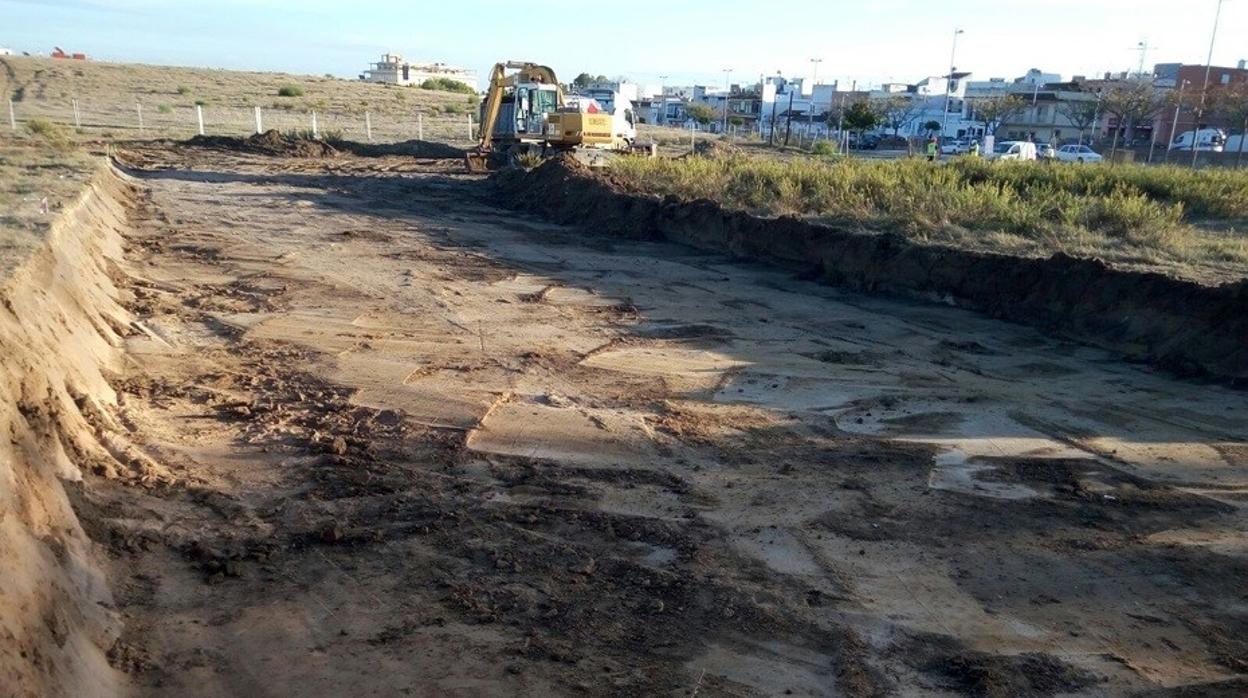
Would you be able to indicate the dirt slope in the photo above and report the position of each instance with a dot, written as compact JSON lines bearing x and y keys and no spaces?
{"x":60,"y":335}
{"x":1184,"y":326}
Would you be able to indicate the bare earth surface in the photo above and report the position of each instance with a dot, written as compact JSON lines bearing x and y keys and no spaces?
{"x":409,"y":443}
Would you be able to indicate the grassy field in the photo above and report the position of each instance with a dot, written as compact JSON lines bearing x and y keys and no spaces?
{"x":109,"y":96}
{"x":1181,"y":221}
{"x":35,"y":169}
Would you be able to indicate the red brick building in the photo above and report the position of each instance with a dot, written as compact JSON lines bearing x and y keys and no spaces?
{"x":1191,"y":80}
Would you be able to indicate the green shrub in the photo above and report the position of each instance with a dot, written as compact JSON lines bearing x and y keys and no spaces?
{"x":290,"y":91}
{"x":50,"y":133}
{"x":823,"y":148}
{"x":184,"y":90}
{"x":448,"y":85}
{"x":164,"y":109}
{"x":452,"y":109}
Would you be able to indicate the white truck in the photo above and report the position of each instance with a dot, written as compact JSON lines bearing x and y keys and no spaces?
{"x":1209,"y":140}
{"x":1013,"y":150}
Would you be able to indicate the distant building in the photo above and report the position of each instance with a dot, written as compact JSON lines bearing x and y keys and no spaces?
{"x":392,"y":69}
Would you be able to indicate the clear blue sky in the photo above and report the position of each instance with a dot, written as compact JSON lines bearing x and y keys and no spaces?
{"x":689,"y":40}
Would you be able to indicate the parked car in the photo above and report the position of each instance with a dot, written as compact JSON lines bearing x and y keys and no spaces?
{"x":955,"y":146}
{"x":1078,"y":153}
{"x":867,"y":142}
{"x":1044,"y":151}
{"x":1014,"y":150}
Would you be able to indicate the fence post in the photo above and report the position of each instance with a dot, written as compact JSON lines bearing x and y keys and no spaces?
{"x":469,"y":125}
{"x":12,"y":116}
{"x":77,"y":114}
{"x":316,"y":134}
{"x":420,"y":127}
{"x":368,"y":127}
{"x":693,"y":135}
{"x":259,"y":123}
{"x":139,"y":107}
{"x":199,"y":117}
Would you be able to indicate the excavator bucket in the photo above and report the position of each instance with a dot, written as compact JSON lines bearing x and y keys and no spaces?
{"x":478,"y":161}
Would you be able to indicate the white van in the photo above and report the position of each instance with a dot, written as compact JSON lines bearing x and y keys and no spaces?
{"x":1013,"y":150}
{"x":1209,"y":140}
{"x":1235,"y":143}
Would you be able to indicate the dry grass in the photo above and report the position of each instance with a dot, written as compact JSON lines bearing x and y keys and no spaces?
{"x":107,"y":94}
{"x":1154,"y":217}
{"x":31,"y":170}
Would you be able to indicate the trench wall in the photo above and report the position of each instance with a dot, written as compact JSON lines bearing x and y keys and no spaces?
{"x":61,"y":325}
{"x":1183,"y":326}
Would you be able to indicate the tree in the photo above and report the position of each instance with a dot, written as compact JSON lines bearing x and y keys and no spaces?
{"x":932,"y":127}
{"x":1081,"y":114}
{"x":583,"y":80}
{"x":994,"y":111}
{"x":860,"y":117}
{"x":898,"y":112}
{"x":701,"y":113}
{"x":1231,"y":103}
{"x":1131,"y":105}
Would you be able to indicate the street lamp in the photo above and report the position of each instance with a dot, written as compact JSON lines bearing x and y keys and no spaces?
{"x":727,"y":94}
{"x":944,"y":124}
{"x":1204,"y":92}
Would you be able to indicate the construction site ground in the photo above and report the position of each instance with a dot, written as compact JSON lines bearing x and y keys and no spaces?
{"x":400,"y":440}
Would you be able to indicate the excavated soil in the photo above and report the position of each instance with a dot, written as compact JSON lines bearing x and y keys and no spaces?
{"x":1188,"y":328}
{"x":383,"y":436}
{"x":271,"y":142}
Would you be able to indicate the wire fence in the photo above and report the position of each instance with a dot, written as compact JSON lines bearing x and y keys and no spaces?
{"x":139,"y":120}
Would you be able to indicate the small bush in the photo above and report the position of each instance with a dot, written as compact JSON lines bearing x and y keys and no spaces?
{"x":823,"y":148}
{"x":528,"y":161}
{"x":52,"y":134}
{"x":290,"y":91}
{"x":184,"y":90}
{"x":164,"y":109}
{"x":448,"y":85}
{"x":201,"y":102}
{"x":452,"y":109}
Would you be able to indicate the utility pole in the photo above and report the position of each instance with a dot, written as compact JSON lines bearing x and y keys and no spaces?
{"x":1204,"y":92}
{"x":1174,"y":125}
{"x":727,"y":93}
{"x":944,"y":124}
{"x":814,"y":81}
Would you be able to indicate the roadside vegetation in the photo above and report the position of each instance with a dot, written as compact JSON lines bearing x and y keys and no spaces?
{"x":447,"y":85}
{"x":1125,"y":214}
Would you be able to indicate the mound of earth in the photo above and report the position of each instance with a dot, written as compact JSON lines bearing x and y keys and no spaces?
{"x":413,"y":148}
{"x":715,"y":149}
{"x":271,"y":142}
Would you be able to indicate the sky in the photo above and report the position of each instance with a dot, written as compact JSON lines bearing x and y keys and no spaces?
{"x":689,"y":41}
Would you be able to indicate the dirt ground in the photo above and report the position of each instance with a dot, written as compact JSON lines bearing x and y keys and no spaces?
{"x":406,"y":442}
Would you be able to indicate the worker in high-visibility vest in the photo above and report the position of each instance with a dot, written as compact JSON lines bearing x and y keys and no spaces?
{"x":933,"y":149}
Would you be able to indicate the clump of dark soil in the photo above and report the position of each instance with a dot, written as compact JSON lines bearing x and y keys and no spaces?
{"x":271,"y":142}
{"x":413,"y":148}
{"x":1019,"y":676}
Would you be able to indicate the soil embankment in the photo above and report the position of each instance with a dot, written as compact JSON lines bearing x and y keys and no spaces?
{"x":1183,"y":326}
{"x":60,"y":330}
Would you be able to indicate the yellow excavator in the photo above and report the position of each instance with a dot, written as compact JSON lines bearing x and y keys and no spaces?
{"x":525,"y":111}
